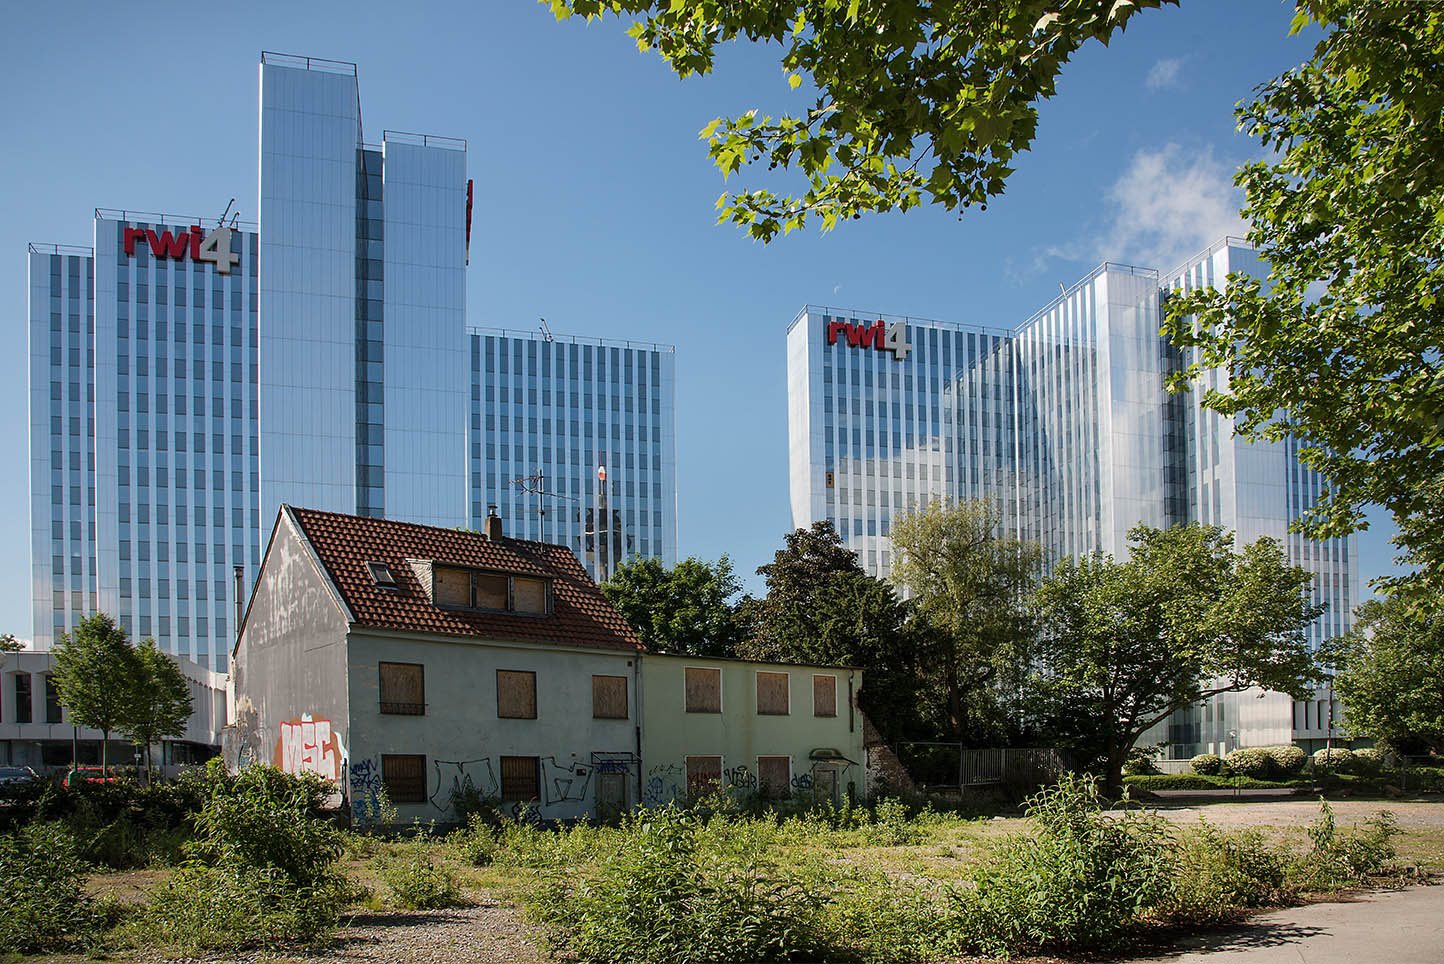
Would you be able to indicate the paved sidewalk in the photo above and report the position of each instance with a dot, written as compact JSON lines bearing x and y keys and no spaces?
{"x":1390,"y":927}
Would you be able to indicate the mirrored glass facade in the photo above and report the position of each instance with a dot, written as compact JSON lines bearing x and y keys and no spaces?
{"x":1063,"y":423}
{"x":546,"y":413}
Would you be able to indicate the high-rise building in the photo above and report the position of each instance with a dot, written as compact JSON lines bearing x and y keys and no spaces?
{"x":1064,"y":423}
{"x":186,"y":379}
{"x":574,"y":440}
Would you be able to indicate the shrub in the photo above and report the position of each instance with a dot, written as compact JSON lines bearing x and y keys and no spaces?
{"x":1339,"y":759}
{"x":475,"y":843}
{"x":467,"y":801}
{"x":1368,"y":762}
{"x":1140,"y":763}
{"x":43,"y":905}
{"x":1206,"y":764}
{"x":417,"y":878}
{"x":1220,"y":871}
{"x":121,"y":825}
{"x":374,"y":810}
{"x":1340,"y":859}
{"x":1288,"y":759}
{"x":680,"y":887}
{"x":233,"y":906}
{"x":1078,"y":878}
{"x":1175,"y":781}
{"x":890,"y":825}
{"x":1252,"y":762}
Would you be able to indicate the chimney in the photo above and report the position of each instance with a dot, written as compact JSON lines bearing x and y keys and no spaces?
{"x":492,"y":527}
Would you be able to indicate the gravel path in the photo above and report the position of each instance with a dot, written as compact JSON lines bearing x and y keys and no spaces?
{"x":1302,"y":812}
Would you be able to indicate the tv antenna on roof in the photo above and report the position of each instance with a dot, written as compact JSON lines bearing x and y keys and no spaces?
{"x":226,"y":212}
{"x":546,"y":332}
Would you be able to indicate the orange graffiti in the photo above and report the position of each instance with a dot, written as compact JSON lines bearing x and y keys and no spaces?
{"x":309,"y":746}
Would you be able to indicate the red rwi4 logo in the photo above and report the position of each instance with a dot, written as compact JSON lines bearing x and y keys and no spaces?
{"x":879,"y":335}
{"x":214,"y":247}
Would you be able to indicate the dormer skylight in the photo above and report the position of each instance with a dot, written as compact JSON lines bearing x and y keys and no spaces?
{"x":382,"y":575}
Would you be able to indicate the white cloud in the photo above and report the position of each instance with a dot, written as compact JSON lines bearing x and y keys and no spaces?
{"x":1170,"y":204}
{"x":1164,"y":73}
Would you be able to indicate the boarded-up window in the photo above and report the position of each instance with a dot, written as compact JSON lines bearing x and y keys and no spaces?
{"x":403,"y":688}
{"x":772,"y":694}
{"x":824,"y":696}
{"x":520,"y":778}
{"x":490,"y":591}
{"x":609,"y":697}
{"x":704,"y":690}
{"x":451,"y":587}
{"x":528,"y":595}
{"x":404,"y":777}
{"x":515,"y":694}
{"x":704,"y":775}
{"x":774,"y":777}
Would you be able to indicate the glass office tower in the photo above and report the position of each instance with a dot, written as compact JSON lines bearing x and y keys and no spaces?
{"x":363,"y":305}
{"x":1065,"y":425}
{"x":547,"y":412}
{"x":150,"y":448}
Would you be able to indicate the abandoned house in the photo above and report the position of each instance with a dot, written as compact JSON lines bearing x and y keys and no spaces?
{"x":440,"y":662}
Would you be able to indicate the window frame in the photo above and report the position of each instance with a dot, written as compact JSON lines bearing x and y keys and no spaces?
{"x":417,"y":709}
{"x":757,"y":692}
{"x":386,"y":781}
{"x":472,"y":572}
{"x":824,"y":716}
{"x":501,"y":779}
{"x":687,"y":776}
{"x":785,"y":790}
{"x":721,"y":703}
{"x":519,"y":672}
{"x":626,"y":698}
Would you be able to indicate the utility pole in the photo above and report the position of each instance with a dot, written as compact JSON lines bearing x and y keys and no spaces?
{"x":535,"y":484}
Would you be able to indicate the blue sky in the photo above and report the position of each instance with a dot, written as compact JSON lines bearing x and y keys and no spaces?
{"x":594,"y":204}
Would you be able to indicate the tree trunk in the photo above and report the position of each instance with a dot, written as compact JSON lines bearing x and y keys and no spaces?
{"x":1113,"y":778}
{"x":104,"y":745}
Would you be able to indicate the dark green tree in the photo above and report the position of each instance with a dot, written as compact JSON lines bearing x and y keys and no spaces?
{"x":1390,"y":675}
{"x":1185,"y":618}
{"x":1343,"y":346}
{"x":822,"y":608}
{"x":95,"y":670}
{"x":159,"y":703}
{"x":690,"y":608}
{"x":971,"y":586}
{"x":914,"y":98}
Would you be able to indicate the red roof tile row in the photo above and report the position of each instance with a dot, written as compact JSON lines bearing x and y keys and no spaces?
{"x":581,"y":615}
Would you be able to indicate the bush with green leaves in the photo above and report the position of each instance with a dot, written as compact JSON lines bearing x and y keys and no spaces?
{"x":233,"y":906}
{"x":1079,"y":878}
{"x":1369,"y":762}
{"x":476,"y":843}
{"x":262,"y":867}
{"x":1288,"y":759}
{"x":1340,"y":859}
{"x":1254,"y":762}
{"x":1220,"y":871}
{"x":120,"y":824}
{"x":43,"y":904}
{"x":682,"y":887}
{"x":417,"y":876}
{"x":1206,"y":764}
{"x":1339,"y":759}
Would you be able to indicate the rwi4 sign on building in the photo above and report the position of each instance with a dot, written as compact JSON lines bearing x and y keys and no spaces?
{"x":878,"y":335}
{"x":213,"y":248}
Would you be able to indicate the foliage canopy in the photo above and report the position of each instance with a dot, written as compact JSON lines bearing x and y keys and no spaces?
{"x":689,"y":608}
{"x":1391,"y":675}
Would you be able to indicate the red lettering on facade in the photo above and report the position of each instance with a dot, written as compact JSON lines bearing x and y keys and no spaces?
{"x":197,"y":235}
{"x":833,"y":327}
{"x":163,"y":245}
{"x":130,"y":237}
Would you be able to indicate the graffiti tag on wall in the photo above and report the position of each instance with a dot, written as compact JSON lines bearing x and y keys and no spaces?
{"x":310,"y":746}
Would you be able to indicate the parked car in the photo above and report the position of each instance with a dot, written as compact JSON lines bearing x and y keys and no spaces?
{"x":10,"y":775}
{"x":79,"y":775}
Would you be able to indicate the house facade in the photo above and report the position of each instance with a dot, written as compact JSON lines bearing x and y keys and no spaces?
{"x":429,"y":662}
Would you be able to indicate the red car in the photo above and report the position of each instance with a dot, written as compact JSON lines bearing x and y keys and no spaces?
{"x":81,"y":775}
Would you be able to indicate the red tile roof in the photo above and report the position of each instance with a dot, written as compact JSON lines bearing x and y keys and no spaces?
{"x":581,"y":615}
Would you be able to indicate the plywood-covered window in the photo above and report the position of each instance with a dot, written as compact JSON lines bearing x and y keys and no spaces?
{"x":704,"y":690}
{"x":704,"y":775}
{"x":824,"y":696}
{"x":774,"y":777}
{"x":609,"y":697}
{"x":491,"y":591}
{"x":404,"y":777}
{"x":520,"y":778}
{"x":515,"y":694}
{"x":403,"y":688}
{"x":772,"y":694}
{"x":451,"y":587}
{"x":528,"y":595}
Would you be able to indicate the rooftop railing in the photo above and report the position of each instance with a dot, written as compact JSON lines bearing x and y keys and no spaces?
{"x":572,"y":339}
{"x":308,"y":63}
{"x":157,"y":217}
